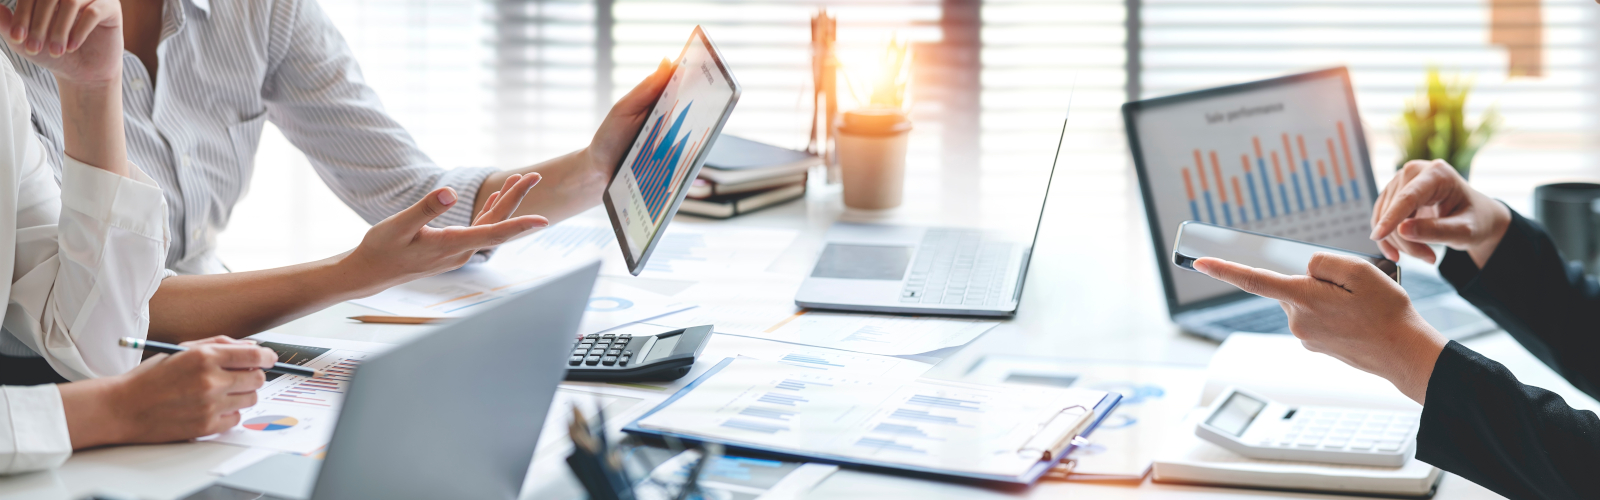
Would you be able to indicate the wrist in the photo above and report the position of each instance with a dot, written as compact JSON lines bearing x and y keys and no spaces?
{"x":1418,"y":357}
{"x":104,"y":83}
{"x":1499,"y":221}
{"x":351,"y":276}
{"x":95,"y":411}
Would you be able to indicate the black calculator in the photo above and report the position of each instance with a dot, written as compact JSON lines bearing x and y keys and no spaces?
{"x":611,"y":357}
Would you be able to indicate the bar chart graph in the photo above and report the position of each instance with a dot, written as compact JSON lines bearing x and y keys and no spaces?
{"x":1275,"y":188}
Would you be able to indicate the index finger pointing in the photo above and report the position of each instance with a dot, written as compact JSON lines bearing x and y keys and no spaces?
{"x":1261,"y":282}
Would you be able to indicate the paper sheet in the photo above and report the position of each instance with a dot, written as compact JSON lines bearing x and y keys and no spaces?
{"x":694,"y":252}
{"x":1154,"y":400}
{"x":722,"y":346}
{"x":293,"y":413}
{"x":936,"y":424}
{"x":462,"y":292}
{"x":734,"y":478}
{"x":869,"y":333}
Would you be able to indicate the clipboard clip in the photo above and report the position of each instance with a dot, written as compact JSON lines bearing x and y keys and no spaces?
{"x":1054,"y":435}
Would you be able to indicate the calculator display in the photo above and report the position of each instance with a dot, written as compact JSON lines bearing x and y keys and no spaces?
{"x":663,"y":348}
{"x":1236,"y":414}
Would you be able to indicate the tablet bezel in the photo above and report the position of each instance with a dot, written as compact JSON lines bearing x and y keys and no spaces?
{"x":635,"y":267}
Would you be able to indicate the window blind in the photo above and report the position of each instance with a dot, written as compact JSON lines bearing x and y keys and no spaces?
{"x":1551,"y":120}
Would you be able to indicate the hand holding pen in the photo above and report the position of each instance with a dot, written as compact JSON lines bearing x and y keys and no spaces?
{"x":163,"y":347}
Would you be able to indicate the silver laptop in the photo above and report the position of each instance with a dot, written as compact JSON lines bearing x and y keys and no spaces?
{"x":454,"y":414}
{"x":1285,"y":157}
{"x":922,"y":270}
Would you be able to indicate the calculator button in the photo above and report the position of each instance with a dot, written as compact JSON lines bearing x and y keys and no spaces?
{"x":1361,"y":444}
{"x":614,"y":352}
{"x":625,"y":336}
{"x":576,"y":360}
{"x":623,"y":361}
{"x":580,"y":352}
{"x":1388,"y":445}
{"x":609,"y":360}
{"x":592,"y":336}
{"x":593,"y":359}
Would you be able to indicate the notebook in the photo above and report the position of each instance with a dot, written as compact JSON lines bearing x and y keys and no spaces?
{"x":1279,"y":367}
{"x":736,"y":160}
{"x":1005,"y":434}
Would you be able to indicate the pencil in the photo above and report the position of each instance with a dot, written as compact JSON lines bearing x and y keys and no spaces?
{"x":151,"y":345}
{"x":396,"y":320}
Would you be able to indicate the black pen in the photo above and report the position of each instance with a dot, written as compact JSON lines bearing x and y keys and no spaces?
{"x":151,"y":345}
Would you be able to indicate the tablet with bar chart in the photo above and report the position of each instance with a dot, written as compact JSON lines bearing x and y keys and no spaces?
{"x":670,"y":147}
{"x":1284,"y":157}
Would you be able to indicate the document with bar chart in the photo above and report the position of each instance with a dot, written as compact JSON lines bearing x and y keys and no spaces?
{"x":1282,"y":160}
{"x":297,"y":414}
{"x":670,"y":148}
{"x":923,"y":424}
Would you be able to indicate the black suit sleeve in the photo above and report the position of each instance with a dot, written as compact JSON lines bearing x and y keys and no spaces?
{"x":1551,"y":308}
{"x":1479,"y":421}
{"x":1520,"y":441}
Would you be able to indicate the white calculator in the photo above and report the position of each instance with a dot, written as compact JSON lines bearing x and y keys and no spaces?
{"x":1256,"y":427}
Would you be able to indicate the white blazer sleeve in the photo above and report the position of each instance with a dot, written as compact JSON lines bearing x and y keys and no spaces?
{"x":88,"y":254}
{"x":33,"y":429}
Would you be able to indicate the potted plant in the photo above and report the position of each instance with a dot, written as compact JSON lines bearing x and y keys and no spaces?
{"x":1434,"y":125}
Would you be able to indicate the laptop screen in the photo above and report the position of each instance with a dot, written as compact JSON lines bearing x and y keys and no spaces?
{"x":1285,"y":157}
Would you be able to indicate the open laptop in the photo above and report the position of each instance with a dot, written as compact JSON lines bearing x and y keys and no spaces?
{"x":454,"y":414}
{"x":922,"y":270}
{"x":1286,"y":157}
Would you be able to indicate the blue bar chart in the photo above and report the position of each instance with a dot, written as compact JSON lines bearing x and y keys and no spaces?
{"x":1279,"y":191}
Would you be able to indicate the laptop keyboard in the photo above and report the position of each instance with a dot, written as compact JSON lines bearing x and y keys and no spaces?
{"x":1264,"y":320}
{"x":957,"y":267}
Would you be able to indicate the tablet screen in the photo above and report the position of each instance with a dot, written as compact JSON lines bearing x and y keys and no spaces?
{"x":655,"y":175}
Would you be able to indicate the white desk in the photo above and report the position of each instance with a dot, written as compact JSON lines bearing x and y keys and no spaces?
{"x":1092,"y":293}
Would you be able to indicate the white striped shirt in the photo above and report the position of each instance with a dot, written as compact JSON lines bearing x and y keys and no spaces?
{"x":226,"y":68}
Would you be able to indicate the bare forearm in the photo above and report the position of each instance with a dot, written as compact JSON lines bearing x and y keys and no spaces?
{"x":569,"y":185}
{"x":91,"y":123}
{"x":241,"y":304}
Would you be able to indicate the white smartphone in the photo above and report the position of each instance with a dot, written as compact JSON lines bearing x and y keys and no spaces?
{"x":1283,"y":255}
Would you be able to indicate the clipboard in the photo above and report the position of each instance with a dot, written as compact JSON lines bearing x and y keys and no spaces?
{"x":1059,"y":445}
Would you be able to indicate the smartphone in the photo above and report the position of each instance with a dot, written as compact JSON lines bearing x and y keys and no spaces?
{"x":1283,"y":255}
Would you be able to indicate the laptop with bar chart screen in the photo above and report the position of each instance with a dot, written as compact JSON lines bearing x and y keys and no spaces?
{"x":670,"y":148}
{"x":1286,"y":157}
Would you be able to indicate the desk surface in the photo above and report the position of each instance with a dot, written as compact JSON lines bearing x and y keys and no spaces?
{"x":1092,"y":294}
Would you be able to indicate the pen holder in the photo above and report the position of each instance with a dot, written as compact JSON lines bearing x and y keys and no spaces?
{"x":871,"y":145}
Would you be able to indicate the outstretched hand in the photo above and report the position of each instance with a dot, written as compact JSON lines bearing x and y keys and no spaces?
{"x":77,"y":40}
{"x":403,"y":247}
{"x":1347,"y":308}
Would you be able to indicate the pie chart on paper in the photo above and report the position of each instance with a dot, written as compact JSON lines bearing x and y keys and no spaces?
{"x":270,"y":423}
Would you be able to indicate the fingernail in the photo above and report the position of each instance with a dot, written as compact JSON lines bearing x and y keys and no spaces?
{"x":34,"y":46}
{"x":57,"y":49}
{"x":447,"y":197}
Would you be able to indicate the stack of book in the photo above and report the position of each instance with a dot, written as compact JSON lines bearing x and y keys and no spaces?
{"x":742,"y":176}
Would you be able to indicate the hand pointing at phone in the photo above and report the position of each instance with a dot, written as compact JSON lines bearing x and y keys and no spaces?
{"x":1346,"y":308}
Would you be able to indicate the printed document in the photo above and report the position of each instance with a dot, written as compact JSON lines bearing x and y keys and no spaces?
{"x":927,"y":423}
{"x":297,"y":414}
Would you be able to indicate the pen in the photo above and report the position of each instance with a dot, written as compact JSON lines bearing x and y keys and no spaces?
{"x":398,"y":320}
{"x":284,"y":368}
